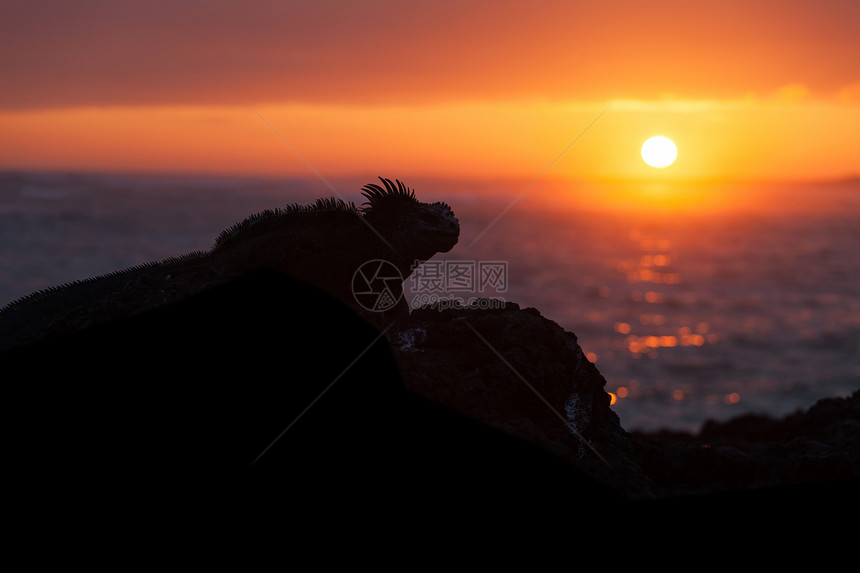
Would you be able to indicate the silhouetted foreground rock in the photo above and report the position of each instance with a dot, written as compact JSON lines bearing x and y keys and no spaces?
{"x":815,"y":453}
{"x":517,"y":371}
{"x":265,"y":397}
{"x":261,"y":395}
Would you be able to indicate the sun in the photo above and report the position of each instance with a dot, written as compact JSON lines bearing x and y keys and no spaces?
{"x":659,"y":151}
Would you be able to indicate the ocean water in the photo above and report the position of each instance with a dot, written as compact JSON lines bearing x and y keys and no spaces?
{"x":689,"y":315}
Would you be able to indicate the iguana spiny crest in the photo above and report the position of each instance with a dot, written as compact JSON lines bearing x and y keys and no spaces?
{"x":323,"y":244}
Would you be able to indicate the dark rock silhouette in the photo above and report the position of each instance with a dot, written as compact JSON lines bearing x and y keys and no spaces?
{"x":517,"y":371}
{"x":263,"y":394}
{"x":265,"y":397}
{"x":813,"y":454}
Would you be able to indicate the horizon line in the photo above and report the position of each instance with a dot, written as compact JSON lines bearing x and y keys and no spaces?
{"x":424,"y":176}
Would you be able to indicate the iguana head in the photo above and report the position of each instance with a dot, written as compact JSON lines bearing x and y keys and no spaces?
{"x":414,"y":230}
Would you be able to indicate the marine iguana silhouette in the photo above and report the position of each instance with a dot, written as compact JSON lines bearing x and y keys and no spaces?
{"x":322,"y":244}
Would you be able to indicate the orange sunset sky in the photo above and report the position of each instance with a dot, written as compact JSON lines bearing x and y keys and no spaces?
{"x":746,"y":89}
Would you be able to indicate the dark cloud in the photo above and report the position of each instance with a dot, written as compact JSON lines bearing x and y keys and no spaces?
{"x":58,"y":53}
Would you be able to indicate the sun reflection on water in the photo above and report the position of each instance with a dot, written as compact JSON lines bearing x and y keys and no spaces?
{"x":654,"y":278}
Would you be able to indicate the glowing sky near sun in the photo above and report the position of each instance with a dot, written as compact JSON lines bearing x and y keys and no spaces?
{"x":746,"y":90}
